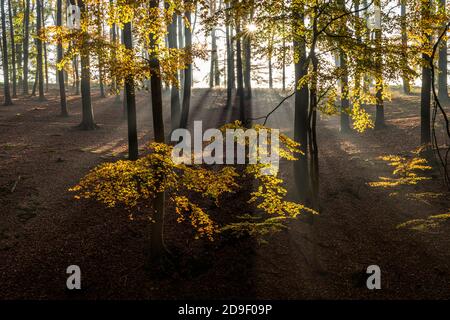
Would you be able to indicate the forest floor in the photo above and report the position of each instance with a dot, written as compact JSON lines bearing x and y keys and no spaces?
{"x":43,"y":229}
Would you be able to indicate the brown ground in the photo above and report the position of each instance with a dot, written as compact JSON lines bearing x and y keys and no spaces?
{"x":43,"y":230}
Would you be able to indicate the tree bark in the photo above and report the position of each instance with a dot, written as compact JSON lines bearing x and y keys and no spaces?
{"x":39,"y":49}
{"x":230,"y":56}
{"x":406,"y":83}
{"x":133,"y":152}
{"x":157,"y":248}
{"x":301,"y":172}
{"x":379,"y":120}
{"x":62,"y":88}
{"x":248,"y":65}
{"x":6,"y":89}
{"x":26,"y":46}
{"x":175,"y":107}
{"x":443,"y":73}
{"x":87,"y":122}
{"x":76,"y":76}
{"x":44,"y":46}
{"x":345,"y":103}
{"x":187,"y":75}
{"x":270,"y":62}
{"x":13,"y":51}
{"x":239,"y":72}
{"x":425,"y":96}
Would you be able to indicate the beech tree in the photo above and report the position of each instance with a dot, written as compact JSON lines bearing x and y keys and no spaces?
{"x":39,"y":49}
{"x":6,"y":84}
{"x":60,"y":72}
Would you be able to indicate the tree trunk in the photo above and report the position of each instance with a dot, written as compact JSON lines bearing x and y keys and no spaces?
{"x":76,"y":76}
{"x":6,"y":89}
{"x":379,"y":120}
{"x":62,"y":88}
{"x":157,"y":248}
{"x":301,"y":173}
{"x":214,"y":51}
{"x":345,"y":103}
{"x":406,"y":83}
{"x":18,"y":50}
{"x":187,"y":75}
{"x":425,"y":96}
{"x":39,"y":57}
{"x":114,"y":39}
{"x":100,"y":75}
{"x":358,"y":67}
{"x":181,"y":45}
{"x":270,"y":62}
{"x":44,"y":44}
{"x":26,"y":47}
{"x":214,"y":58}
{"x":442,"y":79}
{"x":283,"y":62}
{"x":133,"y":152}
{"x":87,"y":122}
{"x":425,"y":102}
{"x":312,"y":136}
{"x":239,"y":72}
{"x":248,"y":66}
{"x":230,"y":57}
{"x":13,"y":51}
{"x":175,"y":107}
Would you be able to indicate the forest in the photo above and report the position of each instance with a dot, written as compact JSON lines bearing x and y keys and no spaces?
{"x":224,"y":149}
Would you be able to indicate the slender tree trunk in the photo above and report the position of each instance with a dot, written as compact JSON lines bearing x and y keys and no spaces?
{"x":87,"y":122}
{"x":270,"y":62}
{"x":214,"y":58}
{"x":133,"y":152}
{"x":248,"y":65}
{"x":240,"y":75}
{"x":35,"y":83}
{"x":18,"y":49}
{"x":62,"y":88}
{"x":44,"y":45}
{"x":215,"y":49}
{"x":100,"y":62}
{"x":13,"y":51}
{"x":443,"y":73}
{"x":39,"y":57}
{"x":157,"y":248}
{"x":406,"y":83}
{"x":425,"y":101}
{"x":379,"y":120}
{"x":101,"y":84}
{"x":367,"y":78}
{"x":345,"y":103}
{"x":181,"y":44}
{"x":283,"y":67}
{"x":230,"y":56}
{"x":6,"y":89}
{"x":76,"y":75}
{"x":124,"y":100}
{"x":175,"y":107}
{"x":19,"y":56}
{"x":312,"y":136}
{"x":301,"y":172}
{"x":114,"y":40}
{"x":358,"y":67}
{"x":26,"y":46}
{"x":187,"y":75}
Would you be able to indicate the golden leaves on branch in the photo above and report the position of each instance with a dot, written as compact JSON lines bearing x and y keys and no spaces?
{"x":134,"y":184}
